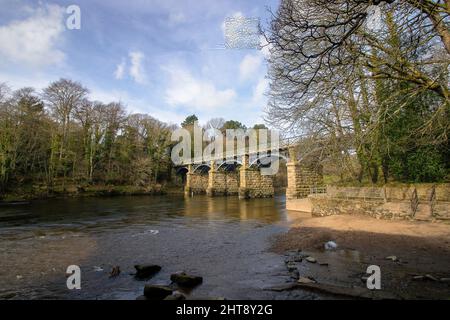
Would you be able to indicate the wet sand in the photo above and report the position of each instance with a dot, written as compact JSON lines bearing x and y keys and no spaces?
{"x":422,"y":249}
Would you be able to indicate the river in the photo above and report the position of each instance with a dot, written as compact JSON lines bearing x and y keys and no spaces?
{"x":224,"y":239}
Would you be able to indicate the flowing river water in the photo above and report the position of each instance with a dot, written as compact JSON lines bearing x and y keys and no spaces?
{"x":224,"y":240}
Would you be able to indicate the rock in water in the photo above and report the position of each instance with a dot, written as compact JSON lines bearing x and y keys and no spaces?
{"x":185,"y":280}
{"x":176,"y":296}
{"x":115,"y":272}
{"x":392,"y":258}
{"x":153,"y":292}
{"x":330,"y":245}
{"x":291,"y":266}
{"x":311,"y":260}
{"x":306,"y":280}
{"x":146,"y":271}
{"x":430,"y":277}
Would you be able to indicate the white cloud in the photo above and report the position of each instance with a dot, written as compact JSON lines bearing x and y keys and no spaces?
{"x":249,"y":66}
{"x":34,"y":41}
{"x":120,"y":70}
{"x":259,"y":91}
{"x":35,"y":80}
{"x":137,"y":70}
{"x":185,"y":90}
{"x":136,"y":105}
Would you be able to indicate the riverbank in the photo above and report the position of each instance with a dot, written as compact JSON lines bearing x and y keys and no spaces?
{"x":414,"y":257}
{"x":29,"y":193}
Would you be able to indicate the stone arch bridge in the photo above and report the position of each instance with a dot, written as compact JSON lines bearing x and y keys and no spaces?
{"x":241,"y":174}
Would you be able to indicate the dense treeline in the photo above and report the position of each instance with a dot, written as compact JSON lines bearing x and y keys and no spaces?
{"x":368,"y":81}
{"x":59,"y":137}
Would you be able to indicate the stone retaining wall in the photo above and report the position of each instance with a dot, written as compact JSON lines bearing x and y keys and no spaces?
{"x":424,"y":202}
{"x":401,"y":192}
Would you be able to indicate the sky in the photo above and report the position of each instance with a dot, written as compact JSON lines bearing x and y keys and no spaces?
{"x":165,"y":58}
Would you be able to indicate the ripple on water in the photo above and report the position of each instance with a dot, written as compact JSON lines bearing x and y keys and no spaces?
{"x":223,"y":239}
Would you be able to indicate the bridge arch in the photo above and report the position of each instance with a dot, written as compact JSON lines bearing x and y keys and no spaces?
{"x":229,"y":165}
{"x":181,"y":171}
{"x":202,"y":168}
{"x":258,"y":163}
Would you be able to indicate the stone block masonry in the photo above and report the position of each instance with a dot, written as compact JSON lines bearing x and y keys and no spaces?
{"x":232,"y":183}
{"x":196,"y":183}
{"x":222,"y":183}
{"x":217,"y":183}
{"x":302,"y":181}
{"x":410,"y":202}
{"x":255,"y":185}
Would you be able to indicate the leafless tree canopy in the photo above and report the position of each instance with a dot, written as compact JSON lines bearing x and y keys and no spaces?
{"x":343,"y":69}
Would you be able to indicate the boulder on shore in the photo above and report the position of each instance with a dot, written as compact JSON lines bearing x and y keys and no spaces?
{"x":146,"y":271}
{"x":153,"y":292}
{"x":184,"y":280}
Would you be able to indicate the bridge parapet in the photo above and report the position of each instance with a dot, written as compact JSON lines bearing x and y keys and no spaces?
{"x":262,"y":150}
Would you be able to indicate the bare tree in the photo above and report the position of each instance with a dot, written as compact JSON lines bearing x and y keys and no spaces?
{"x":339,"y":78}
{"x":63,"y":97}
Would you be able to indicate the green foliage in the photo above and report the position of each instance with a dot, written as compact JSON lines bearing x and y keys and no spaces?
{"x":424,"y":164}
{"x":233,"y":124}
{"x":405,"y":154}
{"x":189,"y":121}
{"x":61,"y":141}
{"x":259,"y":126}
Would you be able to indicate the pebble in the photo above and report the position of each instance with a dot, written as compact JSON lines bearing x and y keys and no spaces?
{"x":330,"y":245}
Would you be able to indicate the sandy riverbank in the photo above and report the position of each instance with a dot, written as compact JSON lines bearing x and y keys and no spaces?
{"x":421,"y":249}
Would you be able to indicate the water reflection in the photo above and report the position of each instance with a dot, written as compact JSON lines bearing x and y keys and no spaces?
{"x":223,"y":239}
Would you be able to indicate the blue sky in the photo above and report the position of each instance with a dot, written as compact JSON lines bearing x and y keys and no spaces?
{"x":161,"y":57}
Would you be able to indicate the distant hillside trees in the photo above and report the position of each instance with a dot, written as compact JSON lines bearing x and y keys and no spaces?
{"x":60,"y":137}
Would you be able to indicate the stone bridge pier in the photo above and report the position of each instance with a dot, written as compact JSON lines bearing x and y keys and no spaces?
{"x":221,"y":182}
{"x":303,"y":180}
{"x":196,"y":182}
{"x":252,"y":183}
